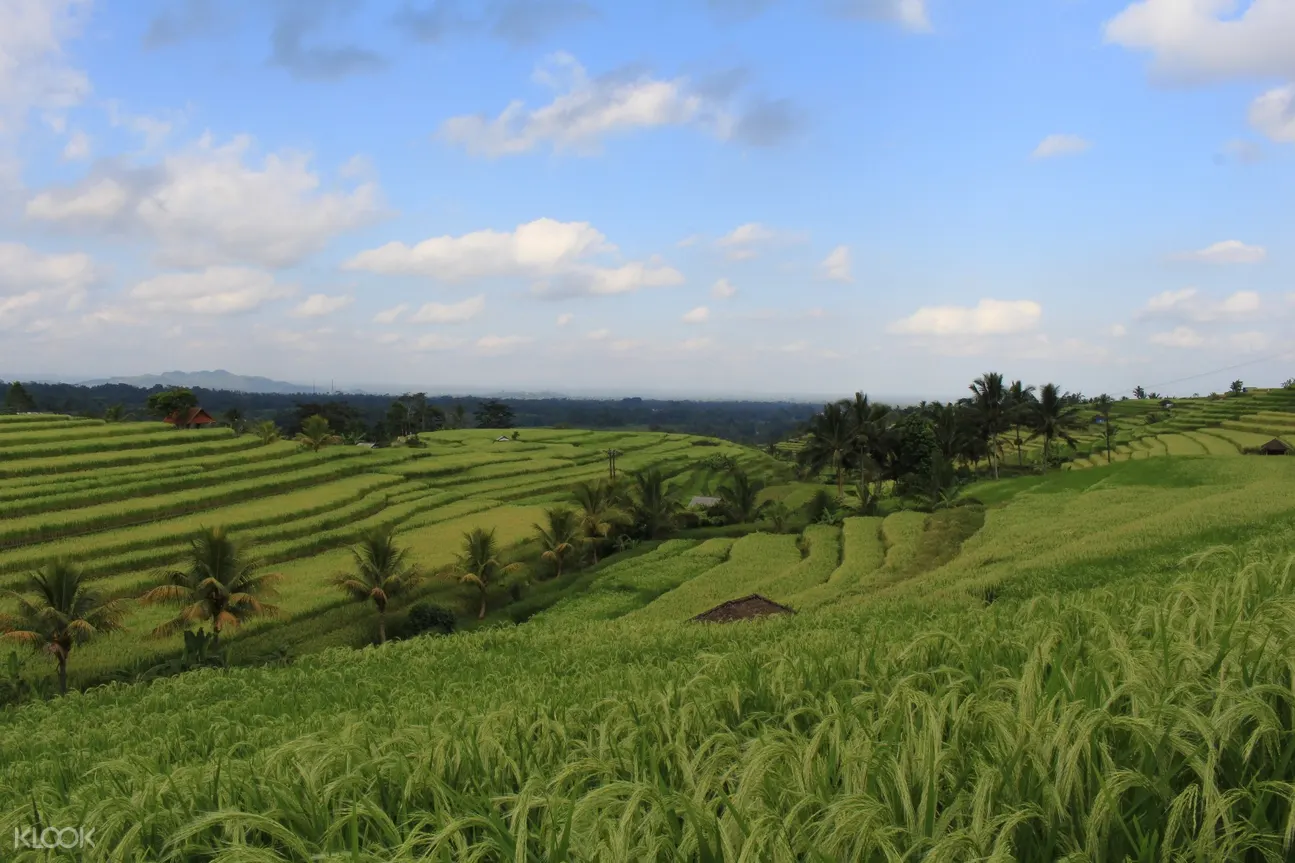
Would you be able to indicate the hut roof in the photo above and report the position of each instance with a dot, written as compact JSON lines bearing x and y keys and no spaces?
{"x":704,"y":502}
{"x":745,"y":608}
{"x":190,"y":417}
{"x":1275,"y":445}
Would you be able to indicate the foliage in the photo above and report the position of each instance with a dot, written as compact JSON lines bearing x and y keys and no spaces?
{"x":1054,"y":420}
{"x":654,"y":506}
{"x":494,"y":414}
{"x":315,"y":434}
{"x":381,"y":571}
{"x":559,"y":537}
{"x":829,"y":443}
{"x":17,"y":399}
{"x":171,"y":402}
{"x":1237,"y":387}
{"x":219,"y":585}
{"x":478,"y":564}
{"x":266,"y":432}
{"x":428,"y":617}
{"x":65,"y":612}
{"x":599,"y":512}
{"x":740,"y":498}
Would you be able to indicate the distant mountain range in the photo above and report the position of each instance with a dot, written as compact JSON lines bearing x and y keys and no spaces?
{"x":213,"y":380}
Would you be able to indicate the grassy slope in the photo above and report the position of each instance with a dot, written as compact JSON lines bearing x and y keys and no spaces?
{"x":911,"y":718}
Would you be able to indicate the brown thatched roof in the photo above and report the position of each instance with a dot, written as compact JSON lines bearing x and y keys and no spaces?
{"x":745,"y":608}
{"x":1275,"y":446}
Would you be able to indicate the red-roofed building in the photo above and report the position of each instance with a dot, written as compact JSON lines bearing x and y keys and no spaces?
{"x":189,"y":418}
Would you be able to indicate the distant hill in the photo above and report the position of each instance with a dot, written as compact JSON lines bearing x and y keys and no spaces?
{"x":213,"y":380}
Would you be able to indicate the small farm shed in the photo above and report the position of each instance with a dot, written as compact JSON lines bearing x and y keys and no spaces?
{"x":189,"y":418}
{"x":746,"y":608}
{"x":1166,"y":404}
{"x":503,"y":439}
{"x":1275,"y":447}
{"x":702,"y":502}
{"x":1100,"y":420}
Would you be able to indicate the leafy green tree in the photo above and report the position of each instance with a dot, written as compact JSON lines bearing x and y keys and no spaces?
{"x":267,"y":431}
{"x":65,"y":613}
{"x":381,"y":572}
{"x":914,"y":449}
{"x":872,"y":427}
{"x":398,"y":420}
{"x":1139,"y":392}
{"x":457,"y":418}
{"x":655,"y":506}
{"x":1020,"y":407}
{"x":219,"y":584}
{"x":989,"y":401}
{"x":18,"y":399}
{"x":829,"y":443}
{"x":494,"y":414}
{"x":1054,"y":420}
{"x":1106,"y":428}
{"x":479,"y":565}
{"x":1237,"y":388}
{"x":740,"y":498}
{"x":315,"y":434}
{"x":114,"y":413}
{"x":172,"y":402}
{"x":234,"y":419}
{"x":560,"y":537}
{"x":599,"y":512}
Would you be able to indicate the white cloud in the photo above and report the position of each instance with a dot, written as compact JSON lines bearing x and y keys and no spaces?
{"x":688,"y":241}
{"x":796,"y":347}
{"x":598,"y":335}
{"x":389,"y":316}
{"x":1054,"y":146}
{"x":836,"y":266}
{"x":1249,"y":342}
{"x":205,"y":206}
{"x":556,"y":254}
{"x":565,"y":318}
{"x":699,"y":315}
{"x":697,"y":344}
{"x":1179,"y":337}
{"x":1189,"y":305}
{"x":318,"y":305}
{"x":34,"y":72}
{"x":1273,"y":113}
{"x":1210,"y":40}
{"x":741,"y":243}
{"x":77,"y":147}
{"x":910,"y":14}
{"x":154,"y":130}
{"x":450,"y":313}
{"x":1118,"y":331}
{"x":988,"y":317}
{"x":723,"y":290}
{"x":1227,"y":252}
{"x":213,"y":291}
{"x":584,"y":111}
{"x":499,"y":345}
{"x":23,"y":269}
{"x":9,"y":305}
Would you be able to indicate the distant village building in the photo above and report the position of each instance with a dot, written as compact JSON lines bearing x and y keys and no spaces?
{"x":746,"y":608}
{"x":702,"y":502}
{"x":189,"y":418}
{"x":503,"y":439}
{"x":1099,"y":420}
{"x":1166,"y":404}
{"x":1275,"y":447}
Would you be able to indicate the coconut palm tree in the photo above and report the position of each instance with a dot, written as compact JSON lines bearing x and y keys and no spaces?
{"x":479,"y":564}
{"x":561,"y":537}
{"x":829,"y":443}
{"x":382,"y":571}
{"x":740,"y":498}
{"x":1054,"y":420}
{"x":654,"y":505}
{"x":989,"y":401}
{"x":65,"y":613}
{"x":315,"y":434}
{"x":219,"y":583}
{"x":1020,"y":407}
{"x":1108,"y":431}
{"x":598,"y":512}
{"x":267,"y":431}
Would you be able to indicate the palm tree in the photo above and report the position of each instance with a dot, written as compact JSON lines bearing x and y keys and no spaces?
{"x":829,"y":443}
{"x":114,"y":413}
{"x":315,"y":434}
{"x":65,"y":613}
{"x":1103,"y":403}
{"x":234,"y":419}
{"x":871,"y":425}
{"x":1020,"y":406}
{"x":598,"y":512}
{"x":561,"y":537}
{"x":778,"y":515}
{"x":479,"y":564}
{"x":1053,"y":420}
{"x":654,"y":506}
{"x":267,"y":431}
{"x":382,"y":572}
{"x":989,"y":402}
{"x":218,"y":584}
{"x":740,"y":498}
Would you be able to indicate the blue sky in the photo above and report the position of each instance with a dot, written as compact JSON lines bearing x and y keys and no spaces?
{"x":725,"y":197}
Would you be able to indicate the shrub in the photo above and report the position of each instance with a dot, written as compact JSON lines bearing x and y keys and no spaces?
{"x":427,"y":617}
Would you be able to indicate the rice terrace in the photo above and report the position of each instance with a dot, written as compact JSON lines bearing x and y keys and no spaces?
{"x":1074,"y":660}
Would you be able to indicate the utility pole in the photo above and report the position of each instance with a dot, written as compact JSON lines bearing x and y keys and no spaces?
{"x":611,"y":463}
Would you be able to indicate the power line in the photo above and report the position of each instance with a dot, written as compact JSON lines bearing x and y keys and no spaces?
{"x":1286,"y":353}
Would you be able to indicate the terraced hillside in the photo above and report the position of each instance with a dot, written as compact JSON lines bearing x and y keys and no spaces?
{"x":121,"y":499}
{"x":975,"y":683}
